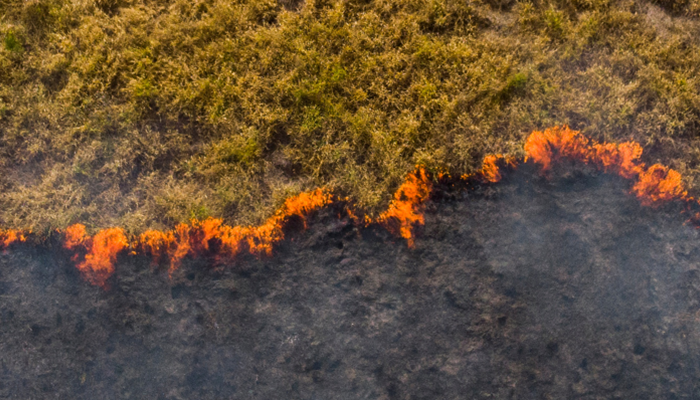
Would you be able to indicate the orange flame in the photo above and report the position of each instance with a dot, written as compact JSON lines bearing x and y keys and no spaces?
{"x":659,"y":184}
{"x":490,"y":171}
{"x":102,"y":250}
{"x":75,"y":236}
{"x":258,"y":240}
{"x":406,"y":209}
{"x":181,"y":246}
{"x":555,"y":143}
{"x":10,"y":236}
{"x":653,"y":186}
{"x":156,"y":243}
{"x":622,"y":159}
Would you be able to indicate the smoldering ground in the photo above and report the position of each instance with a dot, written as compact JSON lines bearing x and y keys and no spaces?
{"x":534,"y":287}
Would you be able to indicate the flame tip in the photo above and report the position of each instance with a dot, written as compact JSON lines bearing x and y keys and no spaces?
{"x":96,"y":255}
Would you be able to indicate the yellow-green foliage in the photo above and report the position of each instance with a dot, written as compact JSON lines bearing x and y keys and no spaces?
{"x":141,"y":113}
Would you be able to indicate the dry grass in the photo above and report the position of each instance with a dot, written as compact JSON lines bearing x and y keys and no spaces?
{"x":145,"y":113}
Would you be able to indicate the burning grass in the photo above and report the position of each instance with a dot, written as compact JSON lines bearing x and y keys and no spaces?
{"x":198,"y":236}
{"x":98,"y":252}
{"x":653,"y":185}
{"x":10,"y":236}
{"x":95,"y":256}
{"x":405,"y":210}
{"x":143,"y":114}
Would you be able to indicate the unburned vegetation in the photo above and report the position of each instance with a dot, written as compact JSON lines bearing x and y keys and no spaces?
{"x":143,"y":114}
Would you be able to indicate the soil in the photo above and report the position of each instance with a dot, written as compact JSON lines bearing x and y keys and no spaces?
{"x":532,"y":288}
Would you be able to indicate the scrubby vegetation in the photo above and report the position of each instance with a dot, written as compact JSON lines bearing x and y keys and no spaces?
{"x":146,"y":113}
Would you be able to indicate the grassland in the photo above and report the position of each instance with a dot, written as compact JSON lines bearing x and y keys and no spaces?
{"x":145,"y":113}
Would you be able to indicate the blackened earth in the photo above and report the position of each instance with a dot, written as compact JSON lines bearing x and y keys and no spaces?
{"x":532,"y":288}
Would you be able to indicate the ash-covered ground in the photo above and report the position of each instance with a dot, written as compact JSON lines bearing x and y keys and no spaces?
{"x":530,"y":288}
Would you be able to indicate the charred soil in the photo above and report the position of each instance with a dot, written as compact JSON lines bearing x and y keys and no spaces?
{"x":534,"y":287}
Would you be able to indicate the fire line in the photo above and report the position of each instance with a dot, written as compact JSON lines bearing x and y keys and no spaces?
{"x":95,"y":256}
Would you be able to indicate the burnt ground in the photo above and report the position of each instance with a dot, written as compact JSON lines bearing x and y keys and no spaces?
{"x":531,"y":288}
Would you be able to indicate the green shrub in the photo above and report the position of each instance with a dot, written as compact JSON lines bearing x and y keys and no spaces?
{"x":12,"y":42}
{"x":145,"y":113}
